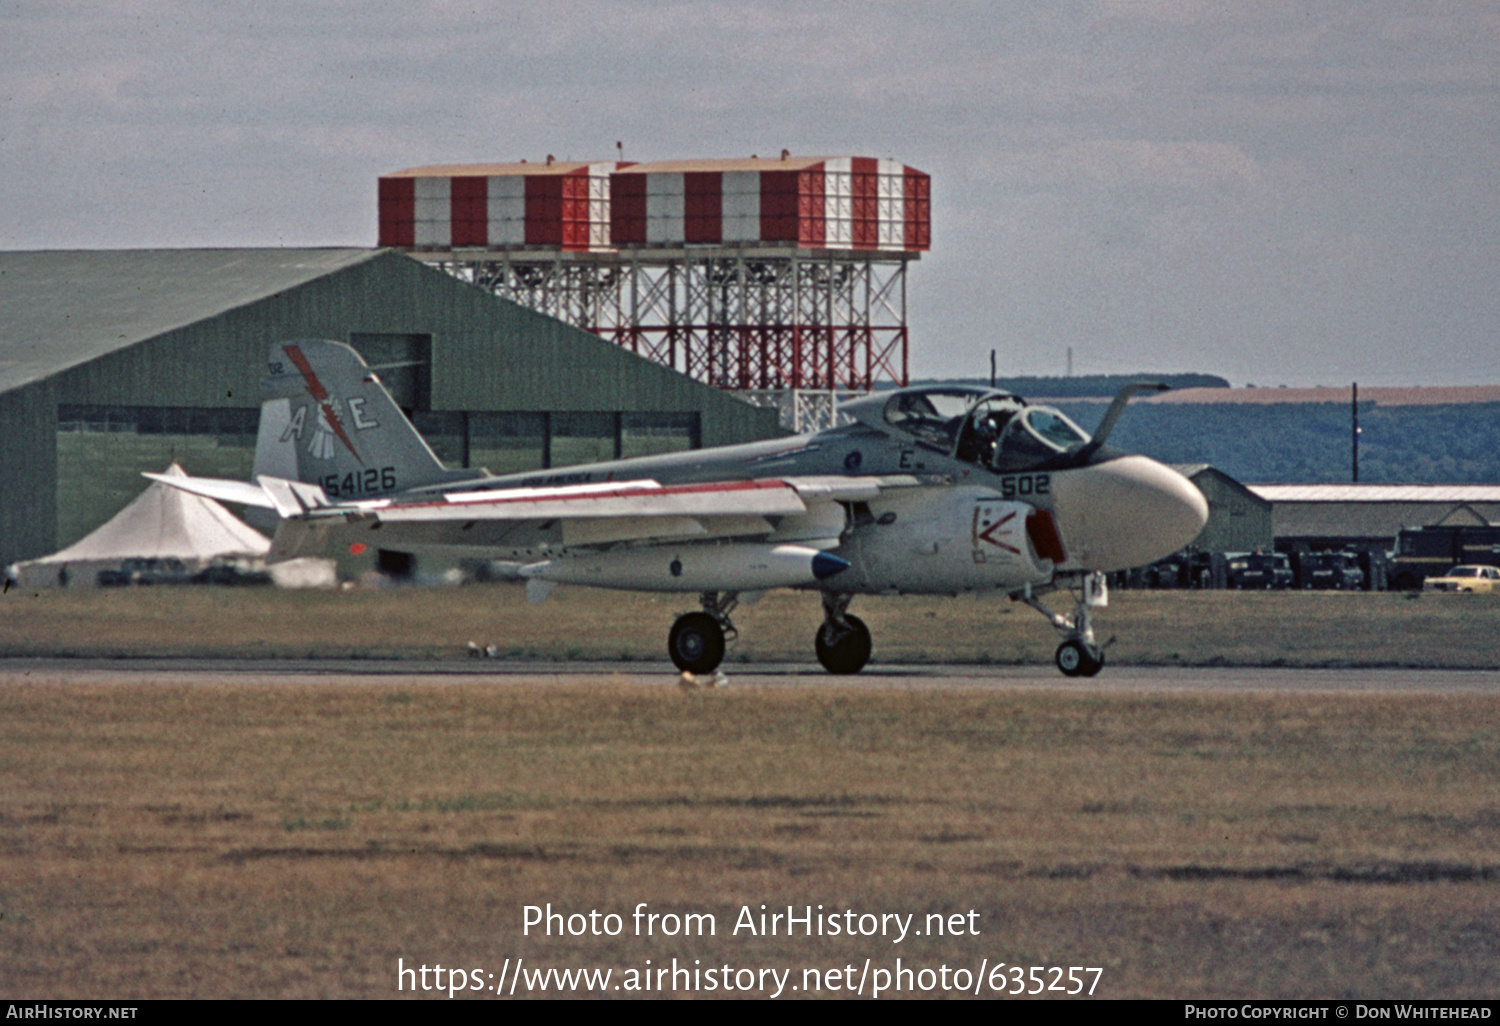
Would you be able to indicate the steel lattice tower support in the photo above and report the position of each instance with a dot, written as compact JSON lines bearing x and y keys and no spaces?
{"x":771,"y":324}
{"x":741,"y":322}
{"x":781,"y":279}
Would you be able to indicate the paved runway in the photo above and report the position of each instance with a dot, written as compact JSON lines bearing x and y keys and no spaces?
{"x":1121,"y":679}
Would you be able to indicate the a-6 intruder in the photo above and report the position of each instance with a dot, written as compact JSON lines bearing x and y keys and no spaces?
{"x":936,"y":490}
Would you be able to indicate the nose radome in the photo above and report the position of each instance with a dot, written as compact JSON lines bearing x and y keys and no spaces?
{"x":1126,"y":512}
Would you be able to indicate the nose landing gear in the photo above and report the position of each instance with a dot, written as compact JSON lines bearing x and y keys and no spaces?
{"x":1076,"y":659}
{"x":1078,"y":655}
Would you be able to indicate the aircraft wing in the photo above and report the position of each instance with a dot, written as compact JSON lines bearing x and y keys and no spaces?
{"x":528,"y":523}
{"x":600,"y":502}
{"x":523,"y":522}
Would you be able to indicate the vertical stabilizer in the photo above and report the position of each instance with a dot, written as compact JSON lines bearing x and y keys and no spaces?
{"x":327,"y":420}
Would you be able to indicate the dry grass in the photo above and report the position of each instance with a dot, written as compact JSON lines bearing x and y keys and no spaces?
{"x":295,"y":841}
{"x":1155,"y":628}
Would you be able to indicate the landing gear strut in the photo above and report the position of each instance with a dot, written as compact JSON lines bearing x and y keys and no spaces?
{"x":843,"y":640}
{"x":698,"y":640}
{"x":1078,"y":655}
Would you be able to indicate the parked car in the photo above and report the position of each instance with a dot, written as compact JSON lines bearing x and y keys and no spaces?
{"x":1337,"y":571}
{"x":1263,"y":570}
{"x":1207,"y":570}
{"x":146,"y":571}
{"x":231,"y":572}
{"x":1466,"y":578}
{"x":1425,"y":550}
{"x":1168,"y":572}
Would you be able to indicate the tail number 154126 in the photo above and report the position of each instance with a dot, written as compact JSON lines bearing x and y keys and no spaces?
{"x":365,"y":482}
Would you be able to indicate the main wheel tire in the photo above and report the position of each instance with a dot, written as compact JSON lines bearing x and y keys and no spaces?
{"x":846,"y":653}
{"x":696,"y":643}
{"x":1075,"y":659}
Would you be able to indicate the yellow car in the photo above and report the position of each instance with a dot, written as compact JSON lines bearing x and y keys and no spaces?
{"x":1466,"y":578}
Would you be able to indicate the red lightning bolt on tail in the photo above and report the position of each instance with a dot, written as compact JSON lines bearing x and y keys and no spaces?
{"x":318,"y":392}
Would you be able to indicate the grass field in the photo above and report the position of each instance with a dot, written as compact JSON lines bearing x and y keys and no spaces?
{"x":223,"y":840}
{"x":1153,"y":628}
{"x":297,"y":841}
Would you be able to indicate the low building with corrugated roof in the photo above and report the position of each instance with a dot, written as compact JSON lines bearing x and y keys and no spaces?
{"x":1368,"y":517}
{"x":118,"y":362}
{"x":1239,"y":520}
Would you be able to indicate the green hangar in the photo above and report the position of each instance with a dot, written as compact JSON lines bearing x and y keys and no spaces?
{"x":117,"y":362}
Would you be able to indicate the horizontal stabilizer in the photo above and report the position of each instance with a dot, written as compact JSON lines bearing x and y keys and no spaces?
{"x":292,"y":498}
{"x":287,"y":498}
{"x":219,"y":489}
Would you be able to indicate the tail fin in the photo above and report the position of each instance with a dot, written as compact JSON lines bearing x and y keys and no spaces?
{"x":326,"y":419}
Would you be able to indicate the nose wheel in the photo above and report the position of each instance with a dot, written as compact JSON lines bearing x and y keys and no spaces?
{"x":1075,"y":659}
{"x":1078,"y":655}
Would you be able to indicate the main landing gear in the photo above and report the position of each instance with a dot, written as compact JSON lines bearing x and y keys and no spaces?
{"x":1078,"y":655}
{"x":697,"y":641}
{"x":843,"y":641}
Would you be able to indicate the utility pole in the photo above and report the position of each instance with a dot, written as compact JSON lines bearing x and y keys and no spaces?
{"x":1354,"y":434}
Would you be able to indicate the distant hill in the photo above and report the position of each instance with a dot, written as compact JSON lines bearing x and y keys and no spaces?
{"x":1310,"y":443}
{"x":1088,"y":386}
{"x":1289,"y":436}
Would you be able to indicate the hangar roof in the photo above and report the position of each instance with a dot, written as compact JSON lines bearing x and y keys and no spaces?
{"x":1368,"y":520}
{"x":1373,"y":511}
{"x":1192,"y":471}
{"x":1448,"y":494}
{"x":62,"y":308}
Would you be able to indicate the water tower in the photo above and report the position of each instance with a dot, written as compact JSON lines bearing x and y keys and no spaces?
{"x":783,"y":280}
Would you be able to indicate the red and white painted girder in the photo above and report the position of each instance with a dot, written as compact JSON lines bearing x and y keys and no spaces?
{"x":849,"y":203}
{"x":840,"y":203}
{"x":559,"y":205}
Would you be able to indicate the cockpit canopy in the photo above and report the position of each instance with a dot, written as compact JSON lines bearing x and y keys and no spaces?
{"x":977,"y":425}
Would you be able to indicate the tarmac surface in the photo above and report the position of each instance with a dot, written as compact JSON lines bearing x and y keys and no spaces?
{"x":1122,"y":679}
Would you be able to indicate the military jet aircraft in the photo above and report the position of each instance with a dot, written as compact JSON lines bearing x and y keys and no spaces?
{"x":934,"y":490}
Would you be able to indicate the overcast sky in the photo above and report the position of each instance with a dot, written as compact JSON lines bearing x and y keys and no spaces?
{"x":1278,"y":192}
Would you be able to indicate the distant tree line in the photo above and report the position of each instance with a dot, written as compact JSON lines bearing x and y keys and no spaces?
{"x":1310,"y":443}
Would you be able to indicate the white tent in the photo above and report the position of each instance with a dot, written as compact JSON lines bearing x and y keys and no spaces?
{"x":162,"y":523}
